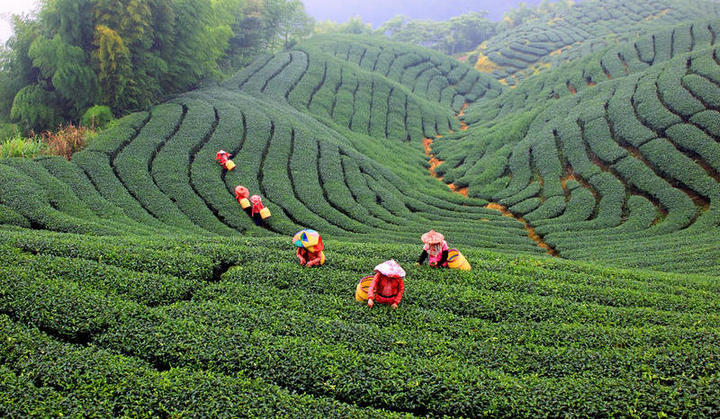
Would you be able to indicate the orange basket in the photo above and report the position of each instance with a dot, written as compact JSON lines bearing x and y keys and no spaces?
{"x":457,"y":261}
{"x":361,"y":291}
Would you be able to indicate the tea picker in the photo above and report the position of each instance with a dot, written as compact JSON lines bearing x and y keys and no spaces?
{"x":387,"y":286}
{"x":258,"y":211}
{"x":223,"y":157}
{"x":242,"y":194}
{"x":438,"y":253}
{"x":309,"y":248}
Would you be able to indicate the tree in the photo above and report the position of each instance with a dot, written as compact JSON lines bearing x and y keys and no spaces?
{"x":286,"y":23}
{"x":394,"y":26}
{"x":470,"y":30}
{"x":112,"y":63}
{"x":248,"y":37}
{"x":64,"y":69}
{"x":16,"y":69}
{"x":128,"y":54}
{"x":518,"y":15}
{"x":72,"y":20}
{"x":198,"y":45}
{"x":36,"y":108}
{"x":354,"y":25}
{"x":461,"y":33}
{"x":546,"y":9}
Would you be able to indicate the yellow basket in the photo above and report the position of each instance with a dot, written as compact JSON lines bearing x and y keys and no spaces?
{"x":457,"y":261}
{"x":265,"y":213}
{"x":361,"y":291}
{"x":230,"y":165}
{"x":245,"y":203}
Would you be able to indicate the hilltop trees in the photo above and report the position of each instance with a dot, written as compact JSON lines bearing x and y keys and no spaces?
{"x":524,"y":13}
{"x":464,"y":32}
{"x":289,"y":20}
{"x":127,"y":54}
{"x":354,"y":25}
{"x":460,"y":33}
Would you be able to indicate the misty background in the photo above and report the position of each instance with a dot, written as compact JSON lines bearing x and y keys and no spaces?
{"x":9,"y":8}
{"x":375,"y":12}
{"x":378,"y":12}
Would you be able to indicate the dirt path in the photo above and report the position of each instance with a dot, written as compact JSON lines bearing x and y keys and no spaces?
{"x":531,"y":231}
{"x":463,"y":124}
{"x":435,"y":162}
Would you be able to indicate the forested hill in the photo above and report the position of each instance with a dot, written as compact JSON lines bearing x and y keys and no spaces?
{"x":127,"y":55}
{"x":298,"y":125}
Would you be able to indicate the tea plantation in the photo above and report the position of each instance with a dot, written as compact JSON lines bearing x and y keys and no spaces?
{"x":589,"y":26}
{"x":133,"y":284}
{"x":613,"y":157}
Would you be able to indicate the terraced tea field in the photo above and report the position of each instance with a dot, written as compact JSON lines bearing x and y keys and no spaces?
{"x":586,"y":28}
{"x":189,"y":326}
{"x":622,"y":171}
{"x":157,"y":170}
{"x":133,"y":284}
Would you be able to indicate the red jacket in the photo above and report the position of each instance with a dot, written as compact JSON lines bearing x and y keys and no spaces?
{"x":307,"y":256}
{"x":386,"y":290}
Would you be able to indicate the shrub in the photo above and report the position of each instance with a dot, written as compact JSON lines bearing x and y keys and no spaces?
{"x":8,"y":131}
{"x":66,"y":140}
{"x":96,"y":117}
{"x":21,"y":147}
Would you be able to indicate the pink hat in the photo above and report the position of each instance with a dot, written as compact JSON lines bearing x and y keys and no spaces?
{"x":241,"y":192}
{"x":432,"y":237}
{"x":391,"y":268}
{"x":255,"y":199}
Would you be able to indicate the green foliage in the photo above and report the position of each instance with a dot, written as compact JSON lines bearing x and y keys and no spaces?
{"x":113,"y":66}
{"x":128,"y":54}
{"x":97,"y":117}
{"x":289,"y":20}
{"x":17,"y":69}
{"x":18,"y":146}
{"x":135,"y":285}
{"x":606,"y":127}
{"x":35,"y":107}
{"x":8,"y":131}
{"x":533,"y":39}
{"x":354,"y":25}
{"x":522,"y":13}
{"x":458,"y":34}
{"x":261,"y":332}
{"x":62,"y":66}
{"x":39,"y":373}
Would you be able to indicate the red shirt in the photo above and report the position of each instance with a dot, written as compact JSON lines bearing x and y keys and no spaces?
{"x":308,"y":255}
{"x":386,"y":290}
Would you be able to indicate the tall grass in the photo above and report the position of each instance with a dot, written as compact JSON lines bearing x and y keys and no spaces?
{"x":66,"y":140}
{"x":21,"y":147}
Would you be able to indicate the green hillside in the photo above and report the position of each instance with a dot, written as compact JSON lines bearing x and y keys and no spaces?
{"x":586,"y":198}
{"x":620,"y":162}
{"x":587,"y":27}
